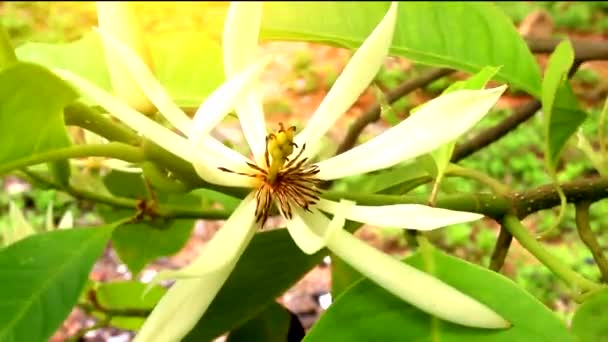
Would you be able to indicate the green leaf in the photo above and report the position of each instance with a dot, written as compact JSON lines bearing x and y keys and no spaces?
{"x":383,"y":317}
{"x":443,"y":154}
{"x":270,"y":265}
{"x":590,"y":322}
{"x":188,"y":64}
{"x":465,"y":36}
{"x":140,"y":243}
{"x":128,"y":296}
{"x":137,"y":244}
{"x":271,"y":325}
{"x":560,"y":108}
{"x":31,"y":111}
{"x":41,"y":278}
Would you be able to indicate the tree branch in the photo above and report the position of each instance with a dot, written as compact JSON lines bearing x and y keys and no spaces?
{"x":586,"y":235}
{"x":583,"y":50}
{"x":492,"y":134}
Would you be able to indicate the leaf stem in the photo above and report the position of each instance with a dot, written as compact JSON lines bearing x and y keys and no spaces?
{"x":496,"y":186}
{"x":528,"y":241}
{"x":586,"y":235}
{"x":110,"y":150}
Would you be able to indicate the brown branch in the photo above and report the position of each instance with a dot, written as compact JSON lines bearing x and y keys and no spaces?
{"x":492,"y":134}
{"x":583,"y":50}
{"x":501,"y":248}
{"x":373,"y":114}
{"x":586,"y":235}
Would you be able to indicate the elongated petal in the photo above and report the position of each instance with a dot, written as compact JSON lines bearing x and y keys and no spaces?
{"x":161,"y":99}
{"x":240,"y":45}
{"x":301,"y":227}
{"x":147,"y":82}
{"x":199,"y":155}
{"x":18,"y":227}
{"x":147,"y":127}
{"x":439,"y":121}
{"x":240,"y":36}
{"x":416,"y":287}
{"x":119,"y":19}
{"x":225,"y":98}
{"x":354,"y":79}
{"x":188,"y":299}
{"x":250,"y":111}
{"x":410,"y":216}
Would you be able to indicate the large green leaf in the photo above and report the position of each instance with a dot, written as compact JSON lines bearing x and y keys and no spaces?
{"x":188,"y":64}
{"x":271,"y":325}
{"x":270,"y":265}
{"x":31,"y":111}
{"x":462,"y":35}
{"x":383,"y":317}
{"x":590,"y":322}
{"x":41,"y":278}
{"x":560,"y":107}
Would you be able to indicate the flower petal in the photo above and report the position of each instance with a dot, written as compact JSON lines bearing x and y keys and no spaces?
{"x":147,"y":127}
{"x":225,"y":98}
{"x":188,"y":299}
{"x":437,"y":122}
{"x":148,"y":83}
{"x":119,"y":19}
{"x":240,"y":45}
{"x":240,"y":36}
{"x":301,"y":226}
{"x":412,"y":285}
{"x":410,"y":216}
{"x":199,"y":155}
{"x":354,"y":79}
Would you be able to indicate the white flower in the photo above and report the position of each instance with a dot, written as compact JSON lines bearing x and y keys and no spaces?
{"x":290,"y":183}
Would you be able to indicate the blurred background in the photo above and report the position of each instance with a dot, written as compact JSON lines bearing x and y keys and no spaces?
{"x":295,"y":84}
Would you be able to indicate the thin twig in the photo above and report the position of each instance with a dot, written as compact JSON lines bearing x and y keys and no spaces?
{"x":501,"y":248}
{"x":586,"y":235}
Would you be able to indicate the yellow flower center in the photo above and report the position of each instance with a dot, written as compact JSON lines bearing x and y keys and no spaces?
{"x":283,"y":180}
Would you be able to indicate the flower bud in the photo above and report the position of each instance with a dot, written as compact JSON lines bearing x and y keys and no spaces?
{"x":121,"y":21}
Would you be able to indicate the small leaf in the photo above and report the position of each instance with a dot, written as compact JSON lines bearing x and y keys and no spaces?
{"x":383,"y":317}
{"x":562,"y":115}
{"x":41,"y":278}
{"x":128,"y":295}
{"x":31,"y":111}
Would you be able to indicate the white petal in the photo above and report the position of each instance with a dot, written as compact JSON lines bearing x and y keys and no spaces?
{"x":67,"y":221}
{"x":240,"y":46}
{"x":164,"y":137}
{"x":250,"y":111}
{"x":225,"y":98}
{"x":18,"y":227}
{"x":410,"y":216}
{"x":240,"y":37}
{"x":437,"y":122}
{"x":416,"y":287}
{"x":301,"y":227}
{"x":119,"y":19}
{"x":148,"y":83}
{"x":188,"y":299}
{"x":354,"y":79}
{"x":205,"y":153}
